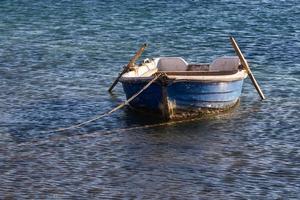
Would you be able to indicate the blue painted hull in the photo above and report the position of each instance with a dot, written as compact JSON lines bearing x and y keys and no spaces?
{"x":184,"y":95}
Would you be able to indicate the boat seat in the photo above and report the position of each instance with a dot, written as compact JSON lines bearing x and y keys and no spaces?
{"x":172,"y":64}
{"x":225,"y":63}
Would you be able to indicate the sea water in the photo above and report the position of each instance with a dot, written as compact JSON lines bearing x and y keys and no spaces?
{"x":58,"y":58}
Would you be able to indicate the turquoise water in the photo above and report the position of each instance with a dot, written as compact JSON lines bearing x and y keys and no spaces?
{"x":57,"y":59}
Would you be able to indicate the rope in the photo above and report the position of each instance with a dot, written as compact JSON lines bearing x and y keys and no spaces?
{"x":111,"y":111}
{"x":92,"y":134}
{"x":169,"y":123}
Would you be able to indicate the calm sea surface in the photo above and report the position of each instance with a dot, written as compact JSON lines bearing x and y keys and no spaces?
{"x":57,"y":59}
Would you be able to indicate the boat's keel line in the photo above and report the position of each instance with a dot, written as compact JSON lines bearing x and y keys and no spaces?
{"x":170,"y":111}
{"x":179,"y":114}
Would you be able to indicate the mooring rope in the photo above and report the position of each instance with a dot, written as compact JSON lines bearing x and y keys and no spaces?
{"x":168,"y":123}
{"x":111,"y":111}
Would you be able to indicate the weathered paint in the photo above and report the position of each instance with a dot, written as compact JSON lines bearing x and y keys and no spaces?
{"x":150,"y":99}
{"x":184,"y":95}
{"x":191,"y":95}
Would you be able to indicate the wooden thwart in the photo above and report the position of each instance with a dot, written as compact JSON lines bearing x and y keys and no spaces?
{"x":200,"y":73}
{"x":246,"y":67}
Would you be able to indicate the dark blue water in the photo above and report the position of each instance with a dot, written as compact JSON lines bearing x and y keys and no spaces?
{"x":57,"y":59}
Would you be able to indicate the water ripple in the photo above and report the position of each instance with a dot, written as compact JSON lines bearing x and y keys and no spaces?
{"x":57,"y":60}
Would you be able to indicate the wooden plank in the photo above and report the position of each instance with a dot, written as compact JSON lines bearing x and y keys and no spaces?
{"x":200,"y":73}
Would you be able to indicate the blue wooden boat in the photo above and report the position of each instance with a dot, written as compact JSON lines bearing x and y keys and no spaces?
{"x":183,"y":89}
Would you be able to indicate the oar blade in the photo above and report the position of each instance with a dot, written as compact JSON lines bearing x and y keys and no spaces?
{"x":129,"y":65}
{"x":246,"y":67}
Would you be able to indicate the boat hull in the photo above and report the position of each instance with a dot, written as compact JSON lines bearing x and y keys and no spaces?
{"x":177,"y":97}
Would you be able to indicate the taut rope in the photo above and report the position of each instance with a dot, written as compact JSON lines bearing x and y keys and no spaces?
{"x":111,"y":111}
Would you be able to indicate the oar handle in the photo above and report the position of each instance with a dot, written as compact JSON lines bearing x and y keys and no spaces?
{"x":136,"y":56}
{"x":117,"y":79}
{"x":129,"y":65}
{"x":246,"y":67}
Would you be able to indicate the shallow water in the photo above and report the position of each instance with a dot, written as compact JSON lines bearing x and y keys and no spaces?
{"x":57,"y":60}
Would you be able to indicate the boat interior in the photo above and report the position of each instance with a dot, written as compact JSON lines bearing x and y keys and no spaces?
{"x":177,"y":66}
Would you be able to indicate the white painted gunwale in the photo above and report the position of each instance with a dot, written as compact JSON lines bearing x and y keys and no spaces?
{"x":240,"y":75}
{"x":146,"y":71}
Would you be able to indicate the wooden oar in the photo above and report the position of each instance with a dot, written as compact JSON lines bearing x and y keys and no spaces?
{"x":129,"y":65}
{"x":246,"y":67}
